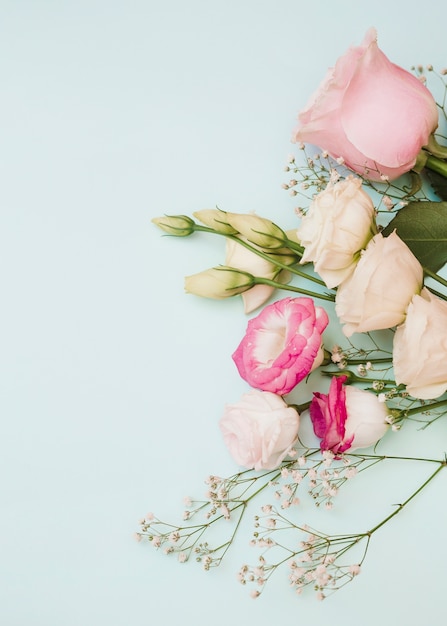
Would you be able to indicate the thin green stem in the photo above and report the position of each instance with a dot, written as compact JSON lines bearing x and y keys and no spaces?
{"x":268,"y":257}
{"x":442,"y":464}
{"x":386,"y":457}
{"x":435,"y":276}
{"x":437,"y":165}
{"x":277,"y":285}
{"x":367,"y":360}
{"x":353,"y":378}
{"x":426,"y":407}
{"x":300,"y":407}
{"x":437,"y":293}
{"x":288,"y":243}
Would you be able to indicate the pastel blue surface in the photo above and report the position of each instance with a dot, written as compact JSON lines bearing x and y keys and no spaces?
{"x":112,"y":380}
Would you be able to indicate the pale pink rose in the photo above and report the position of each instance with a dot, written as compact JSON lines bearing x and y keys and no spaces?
{"x":377,"y":294}
{"x":371,"y":112}
{"x":420,"y":347}
{"x":347,"y":417}
{"x":259,"y":430}
{"x":338,"y":225}
{"x":282,"y":345}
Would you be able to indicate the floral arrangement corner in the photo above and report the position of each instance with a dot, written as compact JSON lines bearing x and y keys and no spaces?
{"x":369,"y":246}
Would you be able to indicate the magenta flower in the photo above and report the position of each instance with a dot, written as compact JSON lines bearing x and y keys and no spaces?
{"x":347,"y":417}
{"x":282,"y":345}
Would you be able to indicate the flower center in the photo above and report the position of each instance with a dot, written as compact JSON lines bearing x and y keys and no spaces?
{"x":270,"y":344}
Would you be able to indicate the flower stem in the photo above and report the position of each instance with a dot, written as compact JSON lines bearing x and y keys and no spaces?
{"x":399,"y":508}
{"x":426,"y":407}
{"x":353,"y":378}
{"x":270,"y":258}
{"x":288,"y":243}
{"x":437,"y":165}
{"x":435,"y":276}
{"x":300,"y":407}
{"x":273,"y":283}
{"x":366,"y":360}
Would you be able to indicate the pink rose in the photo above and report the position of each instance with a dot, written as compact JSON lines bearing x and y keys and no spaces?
{"x":259,"y":430}
{"x":282,"y":345}
{"x":347,"y":417}
{"x":371,"y":112}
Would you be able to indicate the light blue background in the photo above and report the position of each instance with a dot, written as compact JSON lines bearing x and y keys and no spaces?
{"x":112,"y":380}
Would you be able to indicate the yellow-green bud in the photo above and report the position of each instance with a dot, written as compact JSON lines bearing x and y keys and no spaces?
{"x":219,"y":282}
{"x":178,"y":225}
{"x":257,"y":230}
{"x":292,"y":235}
{"x":284,"y":255}
{"x":216,"y":219}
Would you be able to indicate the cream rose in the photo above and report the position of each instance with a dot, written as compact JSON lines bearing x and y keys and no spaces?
{"x":259,"y":430}
{"x":339,"y":224}
{"x":381,"y":287}
{"x":420,"y":347}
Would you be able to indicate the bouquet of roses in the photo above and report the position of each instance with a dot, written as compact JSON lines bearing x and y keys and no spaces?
{"x":371,"y":241}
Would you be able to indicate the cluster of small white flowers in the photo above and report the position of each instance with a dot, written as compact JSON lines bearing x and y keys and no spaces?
{"x":314,"y":564}
{"x":220,"y":503}
{"x":313,"y":177}
{"x":388,"y":203}
{"x":257,"y":575}
{"x":364,"y":368}
{"x":318,"y":567}
{"x":323,"y":478}
{"x":325,"y":483}
{"x":339,"y":357}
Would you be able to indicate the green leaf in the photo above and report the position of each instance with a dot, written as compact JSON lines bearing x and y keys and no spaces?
{"x":422,"y":226}
{"x":438,"y":183}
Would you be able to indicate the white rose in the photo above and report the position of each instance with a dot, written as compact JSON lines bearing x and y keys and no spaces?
{"x":338,"y":225}
{"x":379,"y":291}
{"x":420,"y":347}
{"x":259,"y":430}
{"x":367,"y":418}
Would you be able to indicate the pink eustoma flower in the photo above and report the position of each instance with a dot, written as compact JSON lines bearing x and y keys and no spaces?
{"x":282,"y":345}
{"x":370,"y":112}
{"x":347,"y":417}
{"x":259,"y":430}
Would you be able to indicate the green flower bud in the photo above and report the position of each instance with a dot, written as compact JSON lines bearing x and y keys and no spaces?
{"x":178,"y":225}
{"x":284,"y":255}
{"x":292,"y":235}
{"x":216,"y":219}
{"x":219,"y":282}
{"x":257,"y":230}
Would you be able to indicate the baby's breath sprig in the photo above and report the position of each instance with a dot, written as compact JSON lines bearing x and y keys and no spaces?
{"x":312,"y":177}
{"x":365,"y":358}
{"x":320,"y":475}
{"x":319,"y":561}
{"x":226,"y":500}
